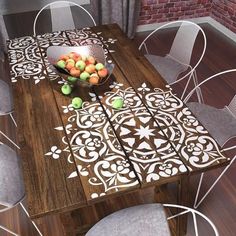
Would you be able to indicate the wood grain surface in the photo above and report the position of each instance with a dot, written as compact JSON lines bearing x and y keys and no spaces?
{"x":48,"y":190}
{"x":178,"y":123}
{"x":86,"y":128}
{"x":72,"y":157}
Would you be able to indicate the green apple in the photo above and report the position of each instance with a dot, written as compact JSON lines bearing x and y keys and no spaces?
{"x":80,"y":64}
{"x":84,"y":75}
{"x":77,"y":102}
{"x":117,"y":103}
{"x":72,"y":79}
{"x":61,"y":64}
{"x":66,"y":89}
{"x":99,"y":66}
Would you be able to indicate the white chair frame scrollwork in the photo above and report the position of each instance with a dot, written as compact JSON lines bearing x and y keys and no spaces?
{"x":58,"y":2}
{"x":194,"y":212}
{"x":196,"y":202}
{"x":192,"y":73}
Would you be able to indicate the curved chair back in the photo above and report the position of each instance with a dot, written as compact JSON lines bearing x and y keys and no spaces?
{"x":148,"y":218}
{"x":183,"y":43}
{"x":194,"y":214}
{"x":184,"y":40}
{"x":221,"y":123}
{"x":61,"y":15}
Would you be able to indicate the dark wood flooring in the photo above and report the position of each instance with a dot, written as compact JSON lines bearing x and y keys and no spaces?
{"x":220,"y":205}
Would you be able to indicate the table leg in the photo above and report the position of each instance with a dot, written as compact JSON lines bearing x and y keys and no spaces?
{"x":67,"y":222}
{"x":78,"y":222}
{"x":183,"y":199}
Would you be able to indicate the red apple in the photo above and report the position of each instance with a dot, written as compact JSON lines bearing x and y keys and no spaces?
{"x":103,"y":72}
{"x":93,"y":80}
{"x":77,"y":57}
{"x":91,"y":60}
{"x":63,"y":57}
{"x":75,"y":72}
{"x":70,"y":65}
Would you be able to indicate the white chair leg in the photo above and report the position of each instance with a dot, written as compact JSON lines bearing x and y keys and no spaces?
{"x":13,"y":119}
{"x":9,"y":231}
{"x":9,"y":139}
{"x":26,"y":212}
{"x":195,"y":224}
{"x":198,"y":91}
{"x":186,"y":86}
{"x":196,"y":205}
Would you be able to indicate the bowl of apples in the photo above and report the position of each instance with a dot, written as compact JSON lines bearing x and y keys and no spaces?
{"x":80,"y":65}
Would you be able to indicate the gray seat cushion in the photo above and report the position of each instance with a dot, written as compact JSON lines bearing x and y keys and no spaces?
{"x":142,"y":220}
{"x":5,"y":98}
{"x":168,"y":68}
{"x":220,"y":123}
{"x":11,"y":181}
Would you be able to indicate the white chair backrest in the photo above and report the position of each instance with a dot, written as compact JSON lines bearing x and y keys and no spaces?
{"x":65,"y":21}
{"x":62,"y":17}
{"x":186,"y":210}
{"x":183,"y":43}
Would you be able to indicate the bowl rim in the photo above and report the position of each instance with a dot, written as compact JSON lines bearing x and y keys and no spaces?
{"x":54,"y":52}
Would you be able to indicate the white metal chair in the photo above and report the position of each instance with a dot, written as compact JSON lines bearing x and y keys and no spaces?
{"x":12,"y":190}
{"x":143,"y":220}
{"x":61,"y":15}
{"x":6,"y":107}
{"x":221,"y":124}
{"x":177,"y":62}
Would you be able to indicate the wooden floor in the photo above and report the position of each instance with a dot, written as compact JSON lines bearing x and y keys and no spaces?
{"x":220,"y":206}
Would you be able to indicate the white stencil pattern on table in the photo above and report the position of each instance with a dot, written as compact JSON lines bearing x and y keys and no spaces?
{"x":57,"y":38}
{"x":190,"y":139}
{"x":94,"y":138}
{"x":111,"y":170}
{"x":25,"y":58}
{"x":87,"y":37}
{"x":149,"y":151}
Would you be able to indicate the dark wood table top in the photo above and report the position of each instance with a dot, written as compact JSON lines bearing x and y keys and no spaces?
{"x":72,"y":158}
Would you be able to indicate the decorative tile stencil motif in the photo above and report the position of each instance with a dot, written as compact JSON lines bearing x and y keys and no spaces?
{"x":25,"y":56}
{"x":154,"y":133}
{"x":148,"y":149}
{"x":97,"y":152}
{"x":189,"y":138}
{"x":25,"y":60}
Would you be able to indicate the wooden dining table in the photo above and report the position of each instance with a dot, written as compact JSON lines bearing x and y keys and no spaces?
{"x":75,"y":158}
